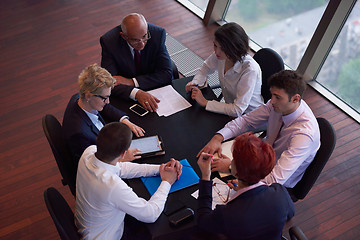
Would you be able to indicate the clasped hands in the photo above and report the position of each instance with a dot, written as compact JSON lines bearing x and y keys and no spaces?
{"x":170,"y":171}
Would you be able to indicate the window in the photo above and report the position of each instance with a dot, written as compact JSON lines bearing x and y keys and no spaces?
{"x":340,"y":72}
{"x":285,"y":26}
{"x":196,"y":6}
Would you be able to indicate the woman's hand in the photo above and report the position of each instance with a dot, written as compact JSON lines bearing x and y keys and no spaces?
{"x":234,"y":184}
{"x":204,"y":162}
{"x":138,"y":131}
{"x":189,"y":86}
{"x":197,"y":95}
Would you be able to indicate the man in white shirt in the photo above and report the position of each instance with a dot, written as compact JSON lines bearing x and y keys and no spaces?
{"x":103,"y":198}
{"x":292,"y":130}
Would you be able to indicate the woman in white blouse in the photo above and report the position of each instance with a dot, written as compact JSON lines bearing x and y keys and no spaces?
{"x":239,"y":74}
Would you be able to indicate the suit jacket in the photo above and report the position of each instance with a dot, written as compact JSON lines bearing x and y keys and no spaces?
{"x":79,"y":131}
{"x":259,"y":213}
{"x":117,"y":58}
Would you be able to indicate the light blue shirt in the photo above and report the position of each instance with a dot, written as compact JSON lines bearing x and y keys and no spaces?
{"x":295,"y":146}
{"x":95,"y":119}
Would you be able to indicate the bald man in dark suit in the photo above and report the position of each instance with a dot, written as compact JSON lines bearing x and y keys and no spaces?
{"x":118,"y":57}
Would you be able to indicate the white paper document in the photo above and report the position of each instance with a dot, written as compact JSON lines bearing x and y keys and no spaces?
{"x":219,"y":193}
{"x":170,"y":101}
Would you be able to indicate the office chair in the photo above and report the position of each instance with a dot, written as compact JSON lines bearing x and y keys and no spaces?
{"x":175,"y":71}
{"x":61,"y":214}
{"x":312,"y":172}
{"x":297,"y":234}
{"x":270,"y":63}
{"x":53,"y":132}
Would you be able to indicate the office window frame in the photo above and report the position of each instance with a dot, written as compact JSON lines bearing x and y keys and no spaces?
{"x":319,"y":48}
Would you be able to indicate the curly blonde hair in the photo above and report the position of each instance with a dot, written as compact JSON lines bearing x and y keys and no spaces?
{"x":93,"y":78}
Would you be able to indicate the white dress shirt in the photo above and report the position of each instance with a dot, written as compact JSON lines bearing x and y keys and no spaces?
{"x":241,"y":85}
{"x":103,"y":198}
{"x":295,"y":146}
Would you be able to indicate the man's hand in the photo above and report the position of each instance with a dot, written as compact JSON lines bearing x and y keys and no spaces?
{"x":178,"y":167}
{"x":221,"y":164}
{"x":197,"y":95}
{"x":204,"y":163}
{"x":138,"y":131}
{"x":147,"y":100}
{"x":124,"y":81}
{"x":130,"y":155}
{"x":169,"y":171}
{"x":213,"y":146}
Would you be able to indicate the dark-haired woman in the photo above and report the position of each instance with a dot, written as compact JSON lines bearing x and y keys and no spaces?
{"x":253,"y":210}
{"x":239,"y":74}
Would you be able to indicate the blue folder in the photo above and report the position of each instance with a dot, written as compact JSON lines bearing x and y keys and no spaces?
{"x":187,"y":178}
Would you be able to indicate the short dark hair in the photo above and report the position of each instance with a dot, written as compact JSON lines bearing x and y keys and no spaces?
{"x":254,"y":159}
{"x":113,"y":140}
{"x":291,"y":81}
{"x":233,"y":40}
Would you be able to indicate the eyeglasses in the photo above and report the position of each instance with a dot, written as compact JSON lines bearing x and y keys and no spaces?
{"x":102,"y":97}
{"x":223,"y":198}
{"x":144,"y":39}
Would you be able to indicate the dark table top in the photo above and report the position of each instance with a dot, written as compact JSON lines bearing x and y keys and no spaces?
{"x":184,"y":134}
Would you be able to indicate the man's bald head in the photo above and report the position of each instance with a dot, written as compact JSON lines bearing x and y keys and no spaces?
{"x":133,"y":21}
{"x":134,"y":27}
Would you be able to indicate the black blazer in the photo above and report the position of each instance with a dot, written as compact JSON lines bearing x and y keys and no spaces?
{"x":79,"y":131}
{"x":259,"y":213}
{"x":155,"y":60}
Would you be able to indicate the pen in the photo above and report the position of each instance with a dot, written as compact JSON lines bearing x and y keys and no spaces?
{"x":235,"y":185}
{"x":191,"y":90}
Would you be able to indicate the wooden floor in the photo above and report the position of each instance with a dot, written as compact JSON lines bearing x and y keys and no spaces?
{"x":43,"y":47}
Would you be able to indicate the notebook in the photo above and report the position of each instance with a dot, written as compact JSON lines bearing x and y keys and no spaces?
{"x":187,"y":178}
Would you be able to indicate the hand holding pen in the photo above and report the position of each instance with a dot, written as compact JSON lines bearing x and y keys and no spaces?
{"x":233,"y":184}
{"x":189,"y":86}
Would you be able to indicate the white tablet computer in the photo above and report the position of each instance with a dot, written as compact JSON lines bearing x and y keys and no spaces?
{"x":150,"y":146}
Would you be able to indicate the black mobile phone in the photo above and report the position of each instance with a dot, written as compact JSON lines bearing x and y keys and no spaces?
{"x":181,"y":217}
{"x":139,"y":110}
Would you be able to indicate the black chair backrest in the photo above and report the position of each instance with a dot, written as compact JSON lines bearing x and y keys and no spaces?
{"x":61,"y":214}
{"x":312,"y":172}
{"x":270,"y":62}
{"x":53,"y":132}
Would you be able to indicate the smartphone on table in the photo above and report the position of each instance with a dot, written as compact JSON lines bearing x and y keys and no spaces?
{"x":139,"y":110}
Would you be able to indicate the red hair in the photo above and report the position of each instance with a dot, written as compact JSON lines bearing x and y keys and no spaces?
{"x":253,"y":158}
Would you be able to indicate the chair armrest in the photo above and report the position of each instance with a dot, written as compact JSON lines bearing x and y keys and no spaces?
{"x":297,"y":234}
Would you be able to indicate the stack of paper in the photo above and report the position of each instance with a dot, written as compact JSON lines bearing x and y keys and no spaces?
{"x":170,"y":101}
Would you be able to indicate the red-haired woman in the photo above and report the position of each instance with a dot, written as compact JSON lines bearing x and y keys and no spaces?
{"x":253,"y":210}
